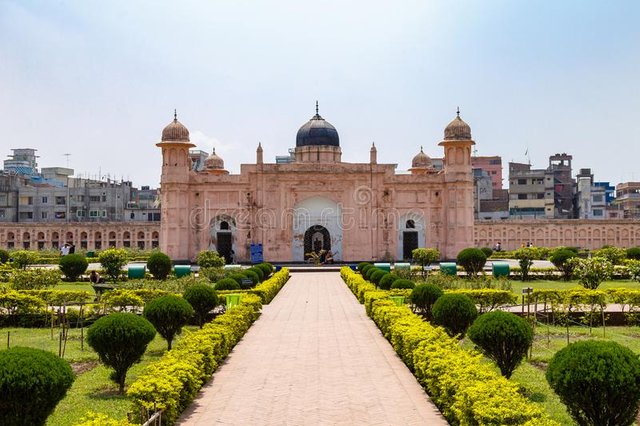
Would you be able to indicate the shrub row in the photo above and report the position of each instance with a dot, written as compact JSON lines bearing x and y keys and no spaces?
{"x":173,"y":382}
{"x":467,"y":390}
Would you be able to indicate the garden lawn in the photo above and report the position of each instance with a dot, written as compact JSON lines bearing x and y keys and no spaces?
{"x":79,"y":286}
{"x":518,"y":285}
{"x":92,"y":390}
{"x":530,"y":375}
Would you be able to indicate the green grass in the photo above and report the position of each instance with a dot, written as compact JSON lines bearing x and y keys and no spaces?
{"x":84,"y":286}
{"x":92,"y":390}
{"x":530,"y":375}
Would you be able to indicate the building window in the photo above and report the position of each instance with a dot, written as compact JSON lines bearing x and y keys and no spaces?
{"x":522,"y":196}
{"x":94,"y":198}
{"x":598,"y":213}
{"x":45,"y":200}
{"x":26,"y":201}
{"x":597,"y":198}
{"x":80,"y":213}
{"x":104,"y":213}
{"x":61,"y":201}
{"x":104,"y":198}
{"x":94,"y":213}
{"x":26,"y":215}
{"x":44,"y":215}
{"x":61,"y":215}
{"x":2,"y":214}
{"x":522,"y":181}
{"x":3,"y":199}
{"x":540,"y":196}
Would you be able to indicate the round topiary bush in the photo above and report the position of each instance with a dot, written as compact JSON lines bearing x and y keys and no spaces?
{"x":599,"y":382}
{"x":503,"y":337}
{"x":377,"y":276}
{"x":424,"y":296}
{"x":365,"y":268}
{"x":370,"y":272}
{"x":73,"y":265}
{"x":258,"y":272}
{"x":168,"y":314}
{"x":112,"y":261}
{"x":454,"y":312}
{"x":361,"y":266}
{"x":472,"y":260}
{"x":252,"y":276}
{"x":203,"y":299}
{"x":32,"y":382}
{"x":120,"y":340}
{"x":266,"y":270}
{"x":632,"y":253}
{"x":559,"y":258}
{"x":487,"y":251}
{"x":4,"y":256}
{"x":159,"y":265}
{"x":237,"y":277}
{"x":387,"y":280}
{"x":403,"y":284}
{"x":228,"y":284}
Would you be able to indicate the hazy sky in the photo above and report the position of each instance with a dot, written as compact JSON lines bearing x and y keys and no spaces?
{"x":100,"y":79}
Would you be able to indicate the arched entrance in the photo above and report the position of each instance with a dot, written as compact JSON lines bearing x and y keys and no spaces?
{"x":316,"y":238}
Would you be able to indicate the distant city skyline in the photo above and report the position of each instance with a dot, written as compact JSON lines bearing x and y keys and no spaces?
{"x":99,"y":81}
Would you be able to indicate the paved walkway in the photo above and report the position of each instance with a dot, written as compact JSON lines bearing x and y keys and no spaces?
{"x":313,"y":358}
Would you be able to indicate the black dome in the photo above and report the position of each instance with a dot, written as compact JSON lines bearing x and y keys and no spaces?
{"x":317,"y":131}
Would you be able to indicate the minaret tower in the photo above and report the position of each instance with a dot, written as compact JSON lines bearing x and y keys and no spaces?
{"x":174,"y":194}
{"x":458,"y":194}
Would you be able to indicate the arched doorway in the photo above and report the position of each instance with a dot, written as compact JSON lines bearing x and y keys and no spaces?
{"x":409,"y":239}
{"x":316,"y":238}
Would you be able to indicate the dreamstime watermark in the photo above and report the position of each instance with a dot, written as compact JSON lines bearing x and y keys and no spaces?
{"x":359,"y":214}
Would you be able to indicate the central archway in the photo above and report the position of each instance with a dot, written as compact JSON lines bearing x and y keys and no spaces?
{"x":316,"y":238}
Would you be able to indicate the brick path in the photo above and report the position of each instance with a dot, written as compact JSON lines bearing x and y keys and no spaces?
{"x":312,"y":358}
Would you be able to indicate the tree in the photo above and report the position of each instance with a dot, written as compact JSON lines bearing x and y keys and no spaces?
{"x":633,"y":253}
{"x":377,"y":275}
{"x":159,"y":265}
{"x":503,"y":337}
{"x":120,"y":340}
{"x":203,"y":299}
{"x":387,"y":280}
{"x":228,"y":284}
{"x":559,"y":257}
{"x":425,"y":256}
{"x":423,"y":296}
{"x":209,"y":259}
{"x":73,"y":265}
{"x":112,"y":261}
{"x":599,"y":382}
{"x":403,"y":284}
{"x":614,"y":255}
{"x":472,"y":260}
{"x":525,"y":258}
{"x":4,"y":256}
{"x":591,"y":272}
{"x":454,"y":312}
{"x":32,"y":382}
{"x":168,"y":314}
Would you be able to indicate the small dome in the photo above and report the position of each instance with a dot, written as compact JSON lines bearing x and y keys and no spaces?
{"x":421,"y":160}
{"x":317,"y":131}
{"x":175,"y":131}
{"x":214,"y":162}
{"x":457,"y":130}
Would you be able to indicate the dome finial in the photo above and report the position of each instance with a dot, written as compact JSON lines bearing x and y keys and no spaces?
{"x":458,"y":111}
{"x":421,"y":148}
{"x":175,"y":115}
{"x":317,"y":110}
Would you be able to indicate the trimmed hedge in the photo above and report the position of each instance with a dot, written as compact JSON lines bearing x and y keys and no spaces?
{"x":467,"y":390}
{"x":173,"y":382}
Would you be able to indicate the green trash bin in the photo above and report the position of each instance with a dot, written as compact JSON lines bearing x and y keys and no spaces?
{"x":398,"y":300}
{"x":232,"y":300}
{"x":449,"y":268}
{"x":136,"y":271}
{"x":500,"y":269}
{"x":383,"y":265}
{"x":405,"y":266}
{"x":182,"y":270}
{"x":91,"y":254}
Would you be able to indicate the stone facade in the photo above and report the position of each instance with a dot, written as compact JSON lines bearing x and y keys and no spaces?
{"x":591,"y":234}
{"x":88,"y":236}
{"x":358,"y":211}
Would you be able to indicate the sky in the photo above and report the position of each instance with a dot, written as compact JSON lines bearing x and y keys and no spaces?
{"x":100,"y":79}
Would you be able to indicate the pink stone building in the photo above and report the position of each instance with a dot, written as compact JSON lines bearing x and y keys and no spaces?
{"x":357,"y":211}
